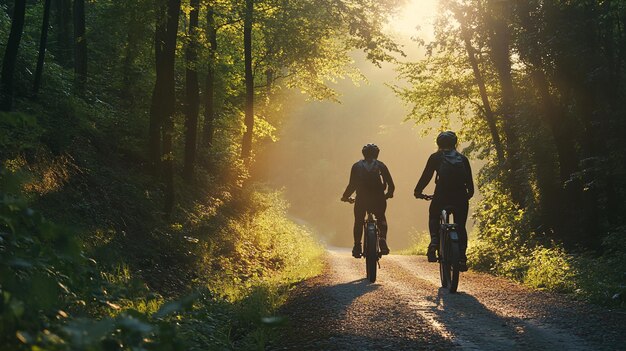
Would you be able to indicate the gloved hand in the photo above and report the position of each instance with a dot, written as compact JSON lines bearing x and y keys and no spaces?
{"x":389,"y":196}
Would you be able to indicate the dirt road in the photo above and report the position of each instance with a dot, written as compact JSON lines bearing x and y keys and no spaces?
{"x":406,"y":310}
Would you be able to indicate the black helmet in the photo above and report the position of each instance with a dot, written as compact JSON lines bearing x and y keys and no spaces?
{"x":447,"y":140}
{"x":370,"y":151}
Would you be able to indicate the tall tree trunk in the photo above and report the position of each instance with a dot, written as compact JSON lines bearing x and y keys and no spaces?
{"x":169,"y":100}
{"x":63,"y":32}
{"x":500,"y":53}
{"x":193,"y":98}
{"x":480,"y":81}
{"x":130,"y":55}
{"x":553,"y":115}
{"x":80,"y":47}
{"x":42,"y":46}
{"x":156,"y":106}
{"x":10,"y":56}
{"x":246,"y":145}
{"x":209,"y":100}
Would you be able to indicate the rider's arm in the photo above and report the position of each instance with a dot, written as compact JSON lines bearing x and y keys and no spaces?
{"x":469,"y":182}
{"x":427,"y":175}
{"x":388,"y":180}
{"x":352,"y":184}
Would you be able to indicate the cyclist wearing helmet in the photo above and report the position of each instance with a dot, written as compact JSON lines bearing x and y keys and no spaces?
{"x":369,"y":178}
{"x":454,"y":187}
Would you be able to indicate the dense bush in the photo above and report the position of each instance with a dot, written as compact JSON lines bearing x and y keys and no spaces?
{"x":504,"y":244}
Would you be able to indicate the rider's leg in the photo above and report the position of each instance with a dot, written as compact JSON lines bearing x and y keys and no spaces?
{"x":379,"y":212}
{"x":460,"y":217}
{"x":433,"y":226}
{"x":434,"y":211}
{"x":359,"y":221}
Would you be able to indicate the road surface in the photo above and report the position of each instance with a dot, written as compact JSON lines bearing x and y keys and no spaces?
{"x":406,"y":310}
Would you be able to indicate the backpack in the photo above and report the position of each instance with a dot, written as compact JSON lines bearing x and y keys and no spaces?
{"x":452,"y":171}
{"x":370,"y":176}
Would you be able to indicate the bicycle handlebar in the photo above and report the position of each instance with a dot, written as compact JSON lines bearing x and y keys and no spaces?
{"x":348,"y":200}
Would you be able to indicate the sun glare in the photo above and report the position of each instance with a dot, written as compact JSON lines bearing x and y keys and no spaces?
{"x":415,"y":19}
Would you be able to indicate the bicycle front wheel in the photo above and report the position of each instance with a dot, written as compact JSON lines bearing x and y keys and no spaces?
{"x":371,"y":256}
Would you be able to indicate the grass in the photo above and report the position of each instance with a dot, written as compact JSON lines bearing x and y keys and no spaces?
{"x":419,"y":245}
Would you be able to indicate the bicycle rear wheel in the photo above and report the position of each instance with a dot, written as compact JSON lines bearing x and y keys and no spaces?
{"x":455,"y":256}
{"x":371,"y":255}
{"x":444,"y":264}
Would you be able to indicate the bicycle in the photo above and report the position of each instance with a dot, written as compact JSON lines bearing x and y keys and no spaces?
{"x":371,"y":245}
{"x":449,"y":252}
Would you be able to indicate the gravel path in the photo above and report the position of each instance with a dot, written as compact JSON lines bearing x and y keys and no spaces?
{"x":406,"y":310}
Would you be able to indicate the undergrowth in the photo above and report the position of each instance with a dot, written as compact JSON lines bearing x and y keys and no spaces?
{"x":57,"y":298}
{"x":505,"y":244}
{"x":89,"y":262}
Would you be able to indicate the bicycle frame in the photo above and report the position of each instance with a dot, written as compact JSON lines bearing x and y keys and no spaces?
{"x":449,"y":252}
{"x":450,"y":228}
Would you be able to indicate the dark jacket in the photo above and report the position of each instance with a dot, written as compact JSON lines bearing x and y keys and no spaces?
{"x":357,"y":181}
{"x":432,"y":166}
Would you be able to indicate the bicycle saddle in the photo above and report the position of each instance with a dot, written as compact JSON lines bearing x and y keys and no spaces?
{"x":450,"y":209}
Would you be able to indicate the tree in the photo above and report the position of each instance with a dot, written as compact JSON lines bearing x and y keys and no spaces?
{"x":163,"y":104}
{"x":497,"y":18}
{"x":490,"y":118}
{"x":246,"y":144}
{"x":80,"y":47}
{"x":192,"y":93}
{"x":42,"y":45}
{"x":10,"y":56}
{"x":62,"y":29}
{"x":209,"y":99}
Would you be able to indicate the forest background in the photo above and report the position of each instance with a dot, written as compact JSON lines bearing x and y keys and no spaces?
{"x":134,"y":210}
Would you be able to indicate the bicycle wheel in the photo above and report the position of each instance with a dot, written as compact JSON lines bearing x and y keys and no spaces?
{"x":371,"y":255}
{"x":455,"y":256}
{"x":444,"y":264}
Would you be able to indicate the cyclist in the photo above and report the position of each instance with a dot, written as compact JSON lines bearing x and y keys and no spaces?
{"x":454,"y":187}
{"x":369,"y":178}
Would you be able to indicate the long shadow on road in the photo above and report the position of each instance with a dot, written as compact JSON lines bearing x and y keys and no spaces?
{"x":475,"y":327}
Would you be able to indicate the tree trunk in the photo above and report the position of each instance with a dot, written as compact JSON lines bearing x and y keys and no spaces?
{"x":500,"y":54}
{"x":169,"y":100}
{"x":553,"y":115}
{"x":246,"y":145}
{"x":10,"y":56}
{"x":63,"y":32}
{"x":128,"y":72}
{"x":80,"y":48}
{"x":42,"y":46}
{"x":193,"y":98}
{"x":480,"y":81}
{"x":209,"y":101}
{"x":156,"y":106}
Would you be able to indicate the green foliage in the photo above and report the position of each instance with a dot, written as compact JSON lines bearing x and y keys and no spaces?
{"x":56,"y":299}
{"x":503,"y":246}
{"x":551,"y":269}
{"x":19,"y":132}
{"x":421,"y":240}
{"x":36,"y":265}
